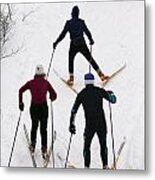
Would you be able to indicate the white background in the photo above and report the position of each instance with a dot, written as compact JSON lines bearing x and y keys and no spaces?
{"x":41,"y":173}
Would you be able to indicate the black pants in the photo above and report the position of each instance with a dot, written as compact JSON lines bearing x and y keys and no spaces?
{"x":83,"y":49}
{"x":39,"y":113}
{"x":88,"y":136}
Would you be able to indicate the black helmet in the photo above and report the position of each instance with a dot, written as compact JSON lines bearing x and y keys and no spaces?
{"x":75,"y":11}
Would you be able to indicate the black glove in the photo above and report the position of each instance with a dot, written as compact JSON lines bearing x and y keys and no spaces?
{"x":54,"y":45}
{"x":91,"y":42}
{"x":21,"y":106}
{"x":72,"y":129}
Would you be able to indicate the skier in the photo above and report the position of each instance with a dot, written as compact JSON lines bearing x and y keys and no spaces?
{"x":38,"y":110}
{"x":91,"y":98}
{"x":77,"y":27}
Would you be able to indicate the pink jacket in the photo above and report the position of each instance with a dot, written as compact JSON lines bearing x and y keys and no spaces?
{"x":38,"y":88}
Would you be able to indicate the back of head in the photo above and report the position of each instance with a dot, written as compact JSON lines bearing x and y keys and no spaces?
{"x":75,"y":12}
{"x":39,"y":71}
{"x":89,"y":79}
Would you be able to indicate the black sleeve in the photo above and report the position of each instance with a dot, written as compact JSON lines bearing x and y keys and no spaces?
{"x":86,"y":30}
{"x":104,"y":94}
{"x":75,"y":107}
{"x":63,"y":33}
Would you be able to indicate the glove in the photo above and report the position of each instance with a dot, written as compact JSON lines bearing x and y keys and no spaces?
{"x":112,"y":97}
{"x":91,"y":42}
{"x":110,"y":92}
{"x":54,"y":45}
{"x":21,"y":106}
{"x":72,"y":129}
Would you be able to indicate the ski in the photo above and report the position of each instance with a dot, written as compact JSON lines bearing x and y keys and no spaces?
{"x":50,"y":152}
{"x":28,"y":141}
{"x":114,"y":74}
{"x":62,"y":160}
{"x":70,"y":165}
{"x":119,"y":153}
{"x":63,"y":80}
{"x":103,"y":84}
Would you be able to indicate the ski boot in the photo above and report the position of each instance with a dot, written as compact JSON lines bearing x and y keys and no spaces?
{"x":32,"y":148}
{"x":70,"y":81}
{"x":106,"y":167}
{"x":45,"y":154}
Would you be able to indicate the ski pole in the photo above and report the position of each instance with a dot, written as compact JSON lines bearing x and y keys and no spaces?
{"x":52,"y":122}
{"x":52,"y":131}
{"x":50,"y":63}
{"x":90,"y":58}
{"x":112,"y":136}
{"x":14,"y":141}
{"x":69,"y":144}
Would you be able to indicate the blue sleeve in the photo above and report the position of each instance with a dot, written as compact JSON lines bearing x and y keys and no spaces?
{"x":86,"y":30}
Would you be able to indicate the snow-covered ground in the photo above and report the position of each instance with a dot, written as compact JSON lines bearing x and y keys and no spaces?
{"x":118,"y":31}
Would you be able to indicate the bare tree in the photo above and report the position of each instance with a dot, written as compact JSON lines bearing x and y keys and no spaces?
{"x":6,"y":25}
{"x":25,"y":16}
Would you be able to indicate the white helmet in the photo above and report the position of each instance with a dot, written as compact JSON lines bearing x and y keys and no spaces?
{"x":39,"y":70}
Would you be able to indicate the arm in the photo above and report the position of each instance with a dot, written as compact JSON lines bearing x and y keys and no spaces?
{"x":108,"y":95}
{"x":86,"y":30}
{"x":22,"y":90}
{"x":62,"y":34}
{"x":53,"y":94}
{"x":73,"y":113}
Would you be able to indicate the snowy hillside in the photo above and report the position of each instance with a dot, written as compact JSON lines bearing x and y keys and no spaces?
{"x":118,"y":31}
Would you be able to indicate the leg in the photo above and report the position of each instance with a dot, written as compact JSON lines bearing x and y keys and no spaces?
{"x":85,"y":51}
{"x":72,"y":53}
{"x":43,"y":126}
{"x":88,"y":136}
{"x":34,"y":118}
{"x":104,"y":151}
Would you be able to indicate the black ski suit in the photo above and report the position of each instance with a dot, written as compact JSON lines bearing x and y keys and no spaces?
{"x":91,"y":98}
{"x":77,"y":27}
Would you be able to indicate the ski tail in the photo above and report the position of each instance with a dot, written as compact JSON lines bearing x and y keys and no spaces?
{"x":114,"y":74}
{"x":119,"y":153}
{"x":50,"y":152}
{"x":64,"y":81}
{"x":28,"y":141}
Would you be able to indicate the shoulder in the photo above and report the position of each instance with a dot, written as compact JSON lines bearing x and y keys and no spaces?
{"x":80,"y":19}
{"x":46,"y":81}
{"x":82,"y":92}
{"x":68,"y":22}
{"x":30,"y":81}
{"x":99,"y":90}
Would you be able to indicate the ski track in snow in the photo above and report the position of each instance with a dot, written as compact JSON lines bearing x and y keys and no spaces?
{"x":121,"y":28}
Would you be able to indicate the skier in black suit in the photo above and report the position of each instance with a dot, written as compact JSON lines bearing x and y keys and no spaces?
{"x":91,"y":98}
{"x":77,"y":27}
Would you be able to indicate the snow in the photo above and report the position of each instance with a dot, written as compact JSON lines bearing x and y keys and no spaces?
{"x":118,"y":31}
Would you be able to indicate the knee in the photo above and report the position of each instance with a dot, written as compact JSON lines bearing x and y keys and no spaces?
{"x":34,"y":126}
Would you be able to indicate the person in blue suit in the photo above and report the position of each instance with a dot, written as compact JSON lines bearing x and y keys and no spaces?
{"x":76,"y":28}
